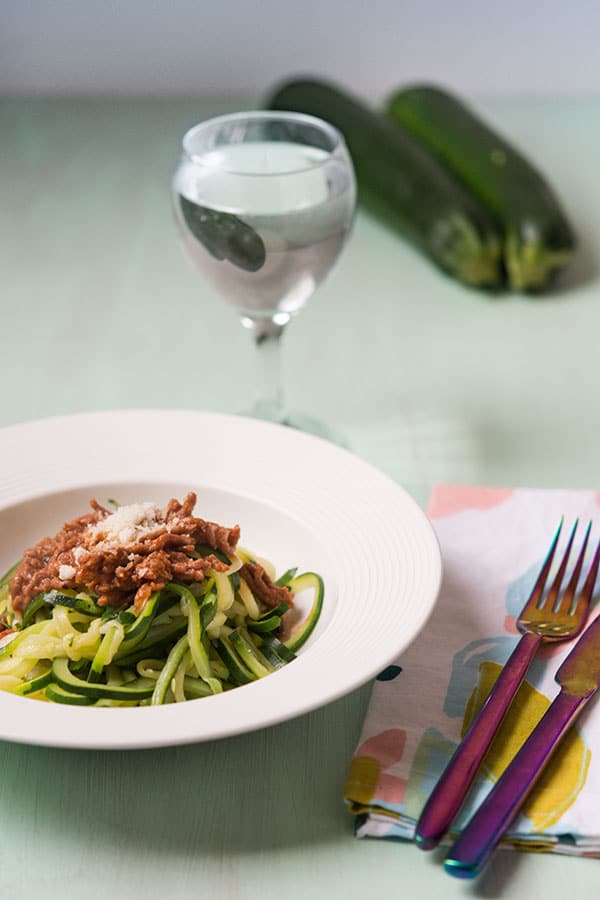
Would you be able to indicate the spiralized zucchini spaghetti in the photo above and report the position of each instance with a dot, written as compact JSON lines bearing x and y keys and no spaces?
{"x":145,"y":606}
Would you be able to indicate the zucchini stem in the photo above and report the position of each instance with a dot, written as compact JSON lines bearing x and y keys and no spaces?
{"x":530,"y":265}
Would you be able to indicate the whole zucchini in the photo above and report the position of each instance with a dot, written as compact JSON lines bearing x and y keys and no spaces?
{"x":538,"y":240}
{"x":403,"y":183}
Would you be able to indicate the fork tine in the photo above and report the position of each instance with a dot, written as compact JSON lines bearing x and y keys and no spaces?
{"x":540,"y":583}
{"x":538,"y":623}
{"x":555,"y":587}
{"x":564,"y":605}
{"x":590,"y":582}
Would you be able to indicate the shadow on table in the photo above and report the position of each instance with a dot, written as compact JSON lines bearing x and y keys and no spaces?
{"x":493,"y":882}
{"x":497,"y":880}
{"x":275,"y":788}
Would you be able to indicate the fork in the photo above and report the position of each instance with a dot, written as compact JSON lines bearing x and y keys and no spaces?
{"x":545,"y":617}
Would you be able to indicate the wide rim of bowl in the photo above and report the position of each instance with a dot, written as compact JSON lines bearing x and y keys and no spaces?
{"x":362,"y":514}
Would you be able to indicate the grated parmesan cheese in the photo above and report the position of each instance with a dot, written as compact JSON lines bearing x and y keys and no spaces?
{"x":66,"y":572}
{"x":126,"y":526}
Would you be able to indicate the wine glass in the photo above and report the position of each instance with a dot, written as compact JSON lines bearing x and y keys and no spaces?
{"x":264,"y":202}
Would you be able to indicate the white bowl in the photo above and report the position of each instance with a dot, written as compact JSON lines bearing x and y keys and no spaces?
{"x":299,"y":501}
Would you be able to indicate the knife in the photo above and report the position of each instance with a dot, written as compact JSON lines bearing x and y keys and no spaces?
{"x":579,"y":679}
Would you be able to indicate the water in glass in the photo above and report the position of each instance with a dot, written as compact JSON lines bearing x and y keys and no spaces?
{"x":264,"y":203}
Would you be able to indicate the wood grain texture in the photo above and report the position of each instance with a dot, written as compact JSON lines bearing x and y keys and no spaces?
{"x":101,"y":309}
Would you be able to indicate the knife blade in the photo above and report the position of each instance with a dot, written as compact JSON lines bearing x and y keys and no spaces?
{"x":579,"y":679}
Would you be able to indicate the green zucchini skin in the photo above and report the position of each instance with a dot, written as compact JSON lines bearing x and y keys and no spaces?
{"x":36,"y":684}
{"x":301,"y":583}
{"x":58,"y":694}
{"x":403,"y":183}
{"x":137,"y":631}
{"x":539,"y":240}
{"x":62,"y":675}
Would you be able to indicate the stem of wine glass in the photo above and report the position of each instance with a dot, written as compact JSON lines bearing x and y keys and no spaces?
{"x":269,"y":402}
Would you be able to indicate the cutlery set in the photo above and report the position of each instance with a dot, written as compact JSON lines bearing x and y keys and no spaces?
{"x":548,"y":616}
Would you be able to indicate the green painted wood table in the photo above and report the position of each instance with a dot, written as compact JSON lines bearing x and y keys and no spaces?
{"x":429,"y":381}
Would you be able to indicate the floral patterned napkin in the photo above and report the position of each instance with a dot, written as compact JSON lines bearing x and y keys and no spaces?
{"x":493,"y":542}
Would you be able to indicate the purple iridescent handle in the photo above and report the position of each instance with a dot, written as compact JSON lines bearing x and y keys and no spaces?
{"x":476,"y":843}
{"x":450,"y":791}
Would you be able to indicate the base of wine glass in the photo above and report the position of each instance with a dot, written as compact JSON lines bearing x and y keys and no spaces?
{"x":300,"y":421}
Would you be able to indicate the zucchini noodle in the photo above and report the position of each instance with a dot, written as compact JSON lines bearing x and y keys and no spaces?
{"x":188,"y":641}
{"x":250,"y":604}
